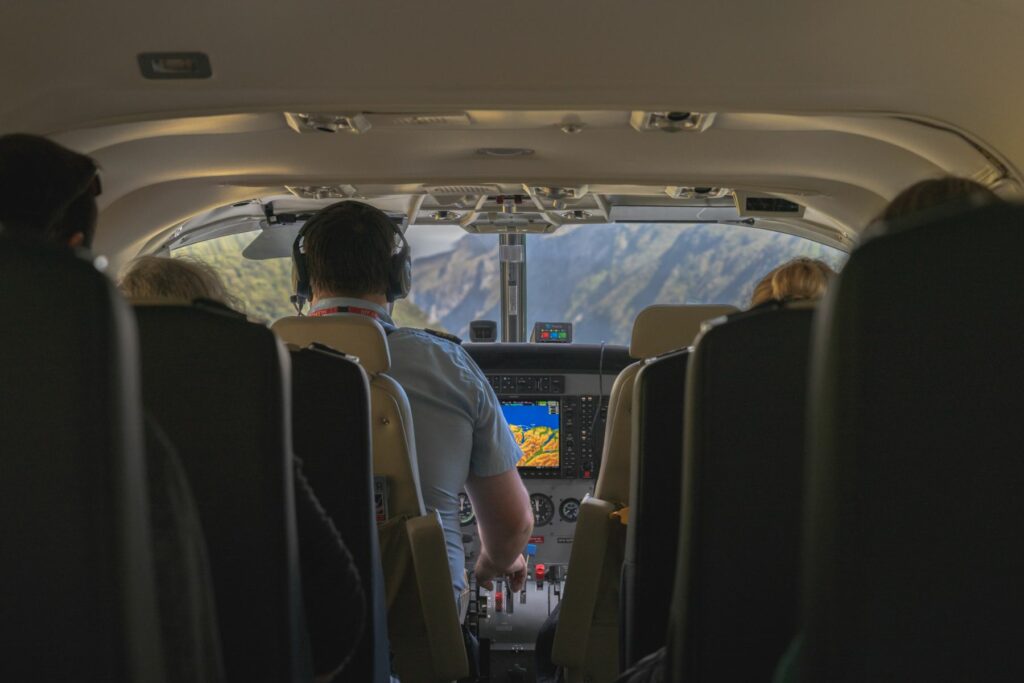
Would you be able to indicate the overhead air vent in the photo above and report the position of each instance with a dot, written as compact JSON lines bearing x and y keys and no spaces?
{"x":461,"y":189}
{"x":698,"y":192}
{"x":323,"y":191}
{"x":670,"y":121}
{"x":328,"y":123}
{"x":766,"y":206}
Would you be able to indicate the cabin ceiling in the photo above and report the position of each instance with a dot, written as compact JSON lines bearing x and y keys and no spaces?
{"x":838,"y":104}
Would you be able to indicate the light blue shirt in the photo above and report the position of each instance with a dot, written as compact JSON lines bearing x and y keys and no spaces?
{"x":460,"y":429}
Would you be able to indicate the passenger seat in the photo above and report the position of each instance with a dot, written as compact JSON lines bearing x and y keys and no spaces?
{"x":652,"y":536}
{"x":219,"y":387}
{"x":735,"y":601}
{"x":423,"y":621}
{"x":587,"y":639}
{"x":913,"y":559}
{"x":331,"y":432}
{"x":79,"y":598}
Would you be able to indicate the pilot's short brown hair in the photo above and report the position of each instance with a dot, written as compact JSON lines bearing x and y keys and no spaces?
{"x":348,"y":247}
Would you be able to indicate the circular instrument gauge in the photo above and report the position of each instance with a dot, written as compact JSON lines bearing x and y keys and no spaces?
{"x":466,"y":514}
{"x":569,"y":510}
{"x":543,"y":509}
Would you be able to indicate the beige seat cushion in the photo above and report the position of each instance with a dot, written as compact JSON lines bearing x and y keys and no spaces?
{"x":355,"y":335}
{"x":662,"y":328}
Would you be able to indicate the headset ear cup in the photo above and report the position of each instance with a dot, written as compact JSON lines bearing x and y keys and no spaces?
{"x":400,"y":273}
{"x":303,"y":291}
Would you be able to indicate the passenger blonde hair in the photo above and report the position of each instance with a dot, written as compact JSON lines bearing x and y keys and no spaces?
{"x":801,"y":278}
{"x":159,"y":277}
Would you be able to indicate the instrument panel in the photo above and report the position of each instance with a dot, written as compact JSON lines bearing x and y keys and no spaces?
{"x":558,"y":421}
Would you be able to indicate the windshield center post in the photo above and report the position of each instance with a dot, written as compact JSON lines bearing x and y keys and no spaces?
{"x":512,"y":259}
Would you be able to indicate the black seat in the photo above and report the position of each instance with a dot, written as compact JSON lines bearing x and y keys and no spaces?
{"x":78,"y":599}
{"x":218,"y":385}
{"x":652,"y":539}
{"x":914,"y":509}
{"x":735,"y":601}
{"x":331,"y":423}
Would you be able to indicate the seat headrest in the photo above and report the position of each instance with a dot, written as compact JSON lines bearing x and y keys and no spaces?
{"x":355,"y":335}
{"x":662,"y":328}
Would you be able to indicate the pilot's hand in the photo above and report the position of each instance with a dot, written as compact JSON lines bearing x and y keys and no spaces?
{"x":486,"y":570}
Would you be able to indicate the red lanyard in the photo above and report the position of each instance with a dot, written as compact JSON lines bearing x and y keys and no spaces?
{"x":346,"y":309}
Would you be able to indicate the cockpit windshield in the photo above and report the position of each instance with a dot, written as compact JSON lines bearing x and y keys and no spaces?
{"x":597,"y":277}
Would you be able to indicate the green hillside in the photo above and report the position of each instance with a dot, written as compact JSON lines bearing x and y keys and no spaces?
{"x":263,"y":287}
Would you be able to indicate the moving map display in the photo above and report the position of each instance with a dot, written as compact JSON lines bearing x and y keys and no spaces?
{"x":535,"y":426}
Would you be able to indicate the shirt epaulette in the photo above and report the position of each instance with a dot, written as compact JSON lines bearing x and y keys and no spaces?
{"x":443,"y":335}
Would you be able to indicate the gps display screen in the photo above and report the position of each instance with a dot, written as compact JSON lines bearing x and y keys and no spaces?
{"x":535,"y":426}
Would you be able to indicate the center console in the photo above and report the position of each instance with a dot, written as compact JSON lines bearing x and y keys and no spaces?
{"x":556,"y":410}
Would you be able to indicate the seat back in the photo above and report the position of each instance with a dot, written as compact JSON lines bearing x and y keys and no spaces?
{"x":735,"y":598}
{"x":423,"y":623}
{"x":331,"y":432}
{"x":586,"y":641}
{"x":78,"y":599}
{"x":652,"y":537}
{"x":394,"y":445}
{"x":913,"y":556}
{"x":219,"y":385}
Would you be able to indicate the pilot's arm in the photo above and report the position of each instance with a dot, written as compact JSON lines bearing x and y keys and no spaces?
{"x":499,"y":498}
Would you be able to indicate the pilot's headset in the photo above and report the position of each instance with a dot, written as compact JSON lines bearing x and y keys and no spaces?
{"x":399,"y":267}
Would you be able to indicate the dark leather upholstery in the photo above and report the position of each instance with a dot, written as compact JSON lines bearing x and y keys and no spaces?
{"x":914,"y":554}
{"x":331,"y":423}
{"x":652,"y":539}
{"x":77,"y":601}
{"x":735,"y":603}
{"x":218,"y":384}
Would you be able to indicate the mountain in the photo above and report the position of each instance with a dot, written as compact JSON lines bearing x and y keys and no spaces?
{"x":600,"y":276}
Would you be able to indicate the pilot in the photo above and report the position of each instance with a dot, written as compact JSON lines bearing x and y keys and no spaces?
{"x":357,"y":263}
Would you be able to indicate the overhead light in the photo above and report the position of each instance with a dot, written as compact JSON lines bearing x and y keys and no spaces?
{"x":671,"y":121}
{"x":576,"y":215}
{"x":443,"y":215}
{"x":328,"y":123}
{"x":573,"y":128}
{"x":323,"y":191}
{"x":697,"y":192}
{"x":504,"y":152}
{"x":174,"y":65}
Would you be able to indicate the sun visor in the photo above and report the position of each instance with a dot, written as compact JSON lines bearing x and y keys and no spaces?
{"x":274,"y":241}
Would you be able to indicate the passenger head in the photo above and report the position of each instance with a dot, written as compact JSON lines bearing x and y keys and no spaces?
{"x":349,"y":248}
{"x":929,"y":194}
{"x":47,"y":192}
{"x":801,"y":278}
{"x":157,"y":277}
